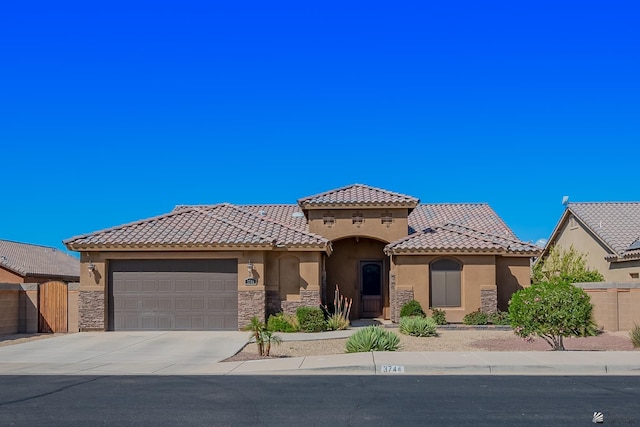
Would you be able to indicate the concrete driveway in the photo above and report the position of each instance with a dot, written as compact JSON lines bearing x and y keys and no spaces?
{"x":101,"y":353}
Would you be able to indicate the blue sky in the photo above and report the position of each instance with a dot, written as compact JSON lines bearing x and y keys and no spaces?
{"x":112,"y":112}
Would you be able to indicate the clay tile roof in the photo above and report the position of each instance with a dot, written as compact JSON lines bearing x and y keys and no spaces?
{"x":617,"y":224}
{"x":478,"y":216}
{"x":213,"y":225}
{"x":357,"y":194}
{"x":34,"y":260}
{"x":458,"y":238}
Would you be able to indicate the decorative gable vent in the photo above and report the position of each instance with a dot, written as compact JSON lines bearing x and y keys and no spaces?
{"x":386,"y":219}
{"x":357,"y":219}
{"x":328,"y":219}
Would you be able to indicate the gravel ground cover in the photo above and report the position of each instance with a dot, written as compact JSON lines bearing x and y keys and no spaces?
{"x":447,"y":340}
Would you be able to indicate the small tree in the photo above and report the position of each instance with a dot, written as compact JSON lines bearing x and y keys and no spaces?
{"x":262,"y":336}
{"x":569,"y":265}
{"x":552,"y":311}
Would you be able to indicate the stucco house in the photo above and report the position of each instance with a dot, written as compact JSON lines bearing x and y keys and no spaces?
{"x":607,"y":232}
{"x":27,"y":263}
{"x":216,"y":266}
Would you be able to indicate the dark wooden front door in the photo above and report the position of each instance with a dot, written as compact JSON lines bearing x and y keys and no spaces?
{"x":371,"y":288}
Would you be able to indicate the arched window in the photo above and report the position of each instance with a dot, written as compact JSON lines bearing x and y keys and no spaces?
{"x":445,"y":283}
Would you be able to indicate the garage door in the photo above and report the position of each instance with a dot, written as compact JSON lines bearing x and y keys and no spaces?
{"x":173,"y":295}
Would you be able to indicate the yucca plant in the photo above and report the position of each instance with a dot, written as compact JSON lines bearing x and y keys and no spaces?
{"x":336,"y":322}
{"x":634,"y":334}
{"x":338,"y":318}
{"x":372,"y":338}
{"x":418,"y":326}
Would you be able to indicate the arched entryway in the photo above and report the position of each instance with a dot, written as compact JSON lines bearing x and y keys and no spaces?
{"x":360,"y":268}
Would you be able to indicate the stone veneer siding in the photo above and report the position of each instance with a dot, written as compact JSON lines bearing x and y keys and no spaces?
{"x":307,"y":299}
{"x":250,"y":304}
{"x":397,"y":298}
{"x":488,"y":300}
{"x":91,"y":310}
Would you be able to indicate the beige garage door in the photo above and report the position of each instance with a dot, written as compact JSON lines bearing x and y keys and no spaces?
{"x":173,"y":295}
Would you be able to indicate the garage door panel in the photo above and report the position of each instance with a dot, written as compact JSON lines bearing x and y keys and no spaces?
{"x":175,"y":298}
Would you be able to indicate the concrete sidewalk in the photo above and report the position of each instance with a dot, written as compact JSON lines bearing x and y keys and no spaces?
{"x":200,"y":353}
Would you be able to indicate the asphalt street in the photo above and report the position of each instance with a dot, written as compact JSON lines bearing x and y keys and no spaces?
{"x":317,"y":400}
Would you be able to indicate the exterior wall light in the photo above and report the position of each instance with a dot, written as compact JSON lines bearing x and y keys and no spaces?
{"x":91,"y":267}
{"x":250,"y":269}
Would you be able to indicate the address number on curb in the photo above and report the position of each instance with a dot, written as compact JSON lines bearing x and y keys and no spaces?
{"x":392,"y":369}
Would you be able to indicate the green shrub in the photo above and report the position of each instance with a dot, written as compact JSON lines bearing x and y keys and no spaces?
{"x":372,"y":338}
{"x":337,"y":322}
{"x":418,"y":326}
{"x":476,"y":318}
{"x":412,"y":308}
{"x":634,"y":334}
{"x":283,"y":322}
{"x":551,"y":311}
{"x":439,"y":316}
{"x":311,"y":319}
{"x":499,"y":318}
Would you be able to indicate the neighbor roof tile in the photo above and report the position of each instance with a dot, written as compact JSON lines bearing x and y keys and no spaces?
{"x":617,"y":224}
{"x":34,"y":260}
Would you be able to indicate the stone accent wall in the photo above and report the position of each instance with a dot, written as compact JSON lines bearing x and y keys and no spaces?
{"x":91,"y":311}
{"x":488,"y":299}
{"x":392,"y":296}
{"x":403,"y":296}
{"x":397,"y":298}
{"x":273,"y":303}
{"x":251,"y":303}
{"x":307,"y":299}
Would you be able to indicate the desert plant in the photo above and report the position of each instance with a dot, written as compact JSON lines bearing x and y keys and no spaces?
{"x":552,"y":311}
{"x":439,"y":316}
{"x":418,"y":326}
{"x":336,"y":322}
{"x":372,"y":338}
{"x":634,"y":334}
{"x":283,"y":322}
{"x":262,"y":337}
{"x":499,"y":318}
{"x":476,"y":318}
{"x":267,"y":338}
{"x":412,"y":308}
{"x":311,"y":319}
{"x":338,"y":316}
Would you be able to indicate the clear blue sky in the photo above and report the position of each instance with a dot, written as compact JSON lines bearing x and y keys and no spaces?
{"x":112,"y":112}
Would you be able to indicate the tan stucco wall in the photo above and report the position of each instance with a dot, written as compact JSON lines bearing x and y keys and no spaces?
{"x":614,"y":306}
{"x":584,"y":241}
{"x":7,"y":276}
{"x":371,"y":227}
{"x":512,"y":274}
{"x":9,"y":311}
{"x":343,"y":269}
{"x":307,"y":269}
{"x":478,"y":271}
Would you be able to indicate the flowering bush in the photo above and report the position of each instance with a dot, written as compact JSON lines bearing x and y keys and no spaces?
{"x":551,"y":311}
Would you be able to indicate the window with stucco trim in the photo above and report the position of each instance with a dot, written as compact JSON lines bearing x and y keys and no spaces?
{"x":446,"y":283}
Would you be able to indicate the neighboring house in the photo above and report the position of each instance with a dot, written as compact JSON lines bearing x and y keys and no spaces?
{"x":25,"y":263}
{"x":607,"y":232}
{"x":216,"y":266}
